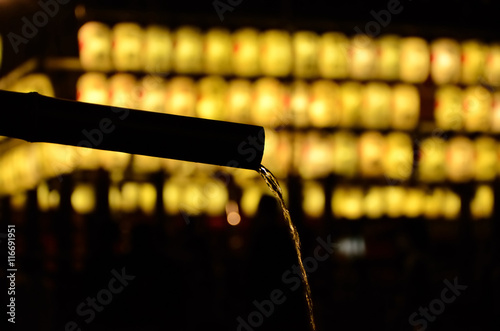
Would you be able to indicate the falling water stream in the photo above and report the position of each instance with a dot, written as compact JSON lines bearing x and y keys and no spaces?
{"x":274,"y":186}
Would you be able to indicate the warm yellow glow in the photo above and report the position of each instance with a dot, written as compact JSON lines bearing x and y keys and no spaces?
{"x":376,"y":106}
{"x":434,"y":200}
{"x":395,"y":199}
{"x":305,"y":52}
{"x":94,"y":41}
{"x":54,"y":199}
{"x":374,"y":202}
{"x":345,"y":153}
{"x":492,"y":69}
{"x":123,"y":91}
{"x":83,"y":198}
{"x":333,"y":62}
{"x":313,"y":202}
{"x":181,"y":96}
{"x":212,"y":98}
{"x":486,"y":158}
{"x":477,"y":108}
{"x":130,"y":196}
{"x":460,"y":159}
{"x":275,"y":53}
{"x":92,"y":87}
{"x":216,"y":194}
{"x":18,"y":201}
{"x":432,"y":160}
{"x":233,"y":218}
{"x":448,"y":111}
{"x":34,"y":83}
{"x":250,"y":199}
{"x":406,"y":107}
{"x":147,"y":198}
{"x":445,"y":64}
{"x":347,"y":202}
{"x":483,"y":203}
{"x":238,"y":100}
{"x":414,"y":202}
{"x":157,"y":49}
{"x":245,"y":56}
{"x":324,"y":109}
{"x":172,"y":191}
{"x":414,"y":60}
{"x":452,"y":205}
{"x":145,"y":164}
{"x":474,"y":58}
{"x":218,"y":49}
{"x":188,"y":50}
{"x":114,"y":198}
{"x":372,"y":147}
{"x":362,"y":57}
{"x":153,"y":94}
{"x":128,"y":51}
{"x":350,"y":97}
{"x":398,"y":161}
{"x":387,"y":64}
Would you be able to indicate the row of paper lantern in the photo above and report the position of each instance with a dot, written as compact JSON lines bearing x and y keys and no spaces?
{"x":202,"y":195}
{"x":267,"y":101}
{"x":395,"y":156}
{"x":248,"y":52}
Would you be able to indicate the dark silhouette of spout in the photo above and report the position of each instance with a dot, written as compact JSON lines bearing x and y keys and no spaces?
{"x":36,"y":118}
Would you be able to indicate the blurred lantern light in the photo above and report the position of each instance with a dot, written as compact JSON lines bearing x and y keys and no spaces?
{"x":123,"y":91}
{"x":157,"y":49}
{"x":83,"y":198}
{"x":388,"y":61}
{"x":495,"y":113}
{"x":324,"y":107}
{"x":363,"y":54}
{"x":181,"y":96}
{"x":372,"y":146}
{"x":448,"y":107}
{"x":345,"y":153}
{"x":305,"y":54}
{"x":414,"y":60}
{"x":42,"y":196}
{"x":114,"y":198}
{"x":130,"y":197}
{"x":212,"y":98}
{"x":473,"y":61}
{"x":299,"y":103}
{"x":414,"y":202}
{"x":232,"y":212}
{"x":217,"y":49}
{"x":250,"y":199}
{"x":434,"y":202}
{"x":333,"y":59}
{"x":313,"y":199}
{"x":477,"y":102}
{"x":94,"y":40}
{"x":217,"y":196}
{"x":188,"y":50}
{"x":460,"y":159}
{"x":127,"y":47}
{"x":445,"y":61}
{"x":152,"y":94}
{"x":18,"y":201}
{"x":238,"y":101}
{"x":92,"y":87}
{"x":451,"y":205}
{"x":406,"y":107}
{"x":396,"y":199}
{"x":483,"y":202}
{"x":350,"y":97}
{"x":374,"y":202}
{"x":267,"y":105}
{"x":275,"y":48}
{"x":245,"y":57}
{"x":492,"y":67}
{"x":432,"y":160}
{"x":398,"y":161}
{"x":172,"y":193}
{"x":376,"y":106}
{"x":147,"y":198}
{"x":486,"y":158}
